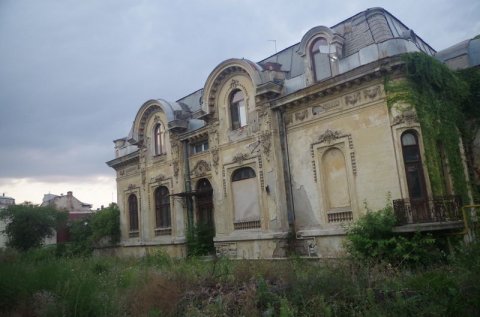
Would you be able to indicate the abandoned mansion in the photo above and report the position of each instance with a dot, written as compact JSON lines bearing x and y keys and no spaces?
{"x":294,"y":145}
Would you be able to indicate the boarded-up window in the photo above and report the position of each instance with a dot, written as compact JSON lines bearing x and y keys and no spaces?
{"x":336,"y":182}
{"x":320,"y":59}
{"x":245,"y":195}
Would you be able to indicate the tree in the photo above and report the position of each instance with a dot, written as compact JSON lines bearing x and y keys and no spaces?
{"x":27,"y":225}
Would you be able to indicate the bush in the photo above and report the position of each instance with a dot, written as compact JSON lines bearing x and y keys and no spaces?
{"x":200,"y":240}
{"x":371,"y":239}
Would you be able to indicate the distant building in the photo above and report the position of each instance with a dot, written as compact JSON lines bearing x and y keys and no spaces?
{"x":5,"y":201}
{"x":76,"y":209}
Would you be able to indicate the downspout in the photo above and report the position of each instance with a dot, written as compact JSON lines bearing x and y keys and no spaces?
{"x":286,"y":169}
{"x":188,"y":184}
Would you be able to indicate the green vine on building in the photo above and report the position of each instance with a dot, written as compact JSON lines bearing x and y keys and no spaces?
{"x":446,"y":108}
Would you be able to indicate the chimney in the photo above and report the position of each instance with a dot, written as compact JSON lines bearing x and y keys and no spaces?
{"x":70,"y":200}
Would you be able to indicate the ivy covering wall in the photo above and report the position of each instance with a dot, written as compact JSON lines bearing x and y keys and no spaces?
{"x":443,"y":100}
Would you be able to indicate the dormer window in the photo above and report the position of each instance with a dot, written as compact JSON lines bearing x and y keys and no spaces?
{"x":159,"y":139}
{"x":319,"y":54}
{"x":238,"y":110}
{"x":198,"y":147}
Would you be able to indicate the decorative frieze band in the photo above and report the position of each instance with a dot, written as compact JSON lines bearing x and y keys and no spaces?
{"x":348,"y":101}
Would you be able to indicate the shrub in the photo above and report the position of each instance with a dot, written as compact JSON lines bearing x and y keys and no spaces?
{"x":200,"y":240}
{"x":371,"y":239}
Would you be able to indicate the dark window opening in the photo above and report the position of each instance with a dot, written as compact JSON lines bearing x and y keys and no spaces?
{"x":133,"y":212}
{"x":162,"y":207}
{"x":243,"y":173}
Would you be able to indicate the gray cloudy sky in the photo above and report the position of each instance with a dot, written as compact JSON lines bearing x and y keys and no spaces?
{"x":73,"y":73}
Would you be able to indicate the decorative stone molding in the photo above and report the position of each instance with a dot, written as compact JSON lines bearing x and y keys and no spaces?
{"x":144,"y":176}
{"x":301,"y":115}
{"x":239,"y":158}
{"x":325,"y":107}
{"x":224,"y":183}
{"x":131,"y":186}
{"x":215,"y":158}
{"x":352,"y":99}
{"x":329,"y":135}
{"x":213,"y":137}
{"x":201,"y":168}
{"x":371,"y":93}
{"x":234,"y":84}
{"x":176,"y":169}
{"x":266,"y":142}
{"x":408,"y":117}
{"x":260,"y":172}
{"x":158,"y":178}
{"x":226,"y":249}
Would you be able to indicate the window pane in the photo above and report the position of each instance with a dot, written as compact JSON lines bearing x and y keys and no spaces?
{"x":237,"y":96}
{"x":243,"y":113}
{"x":411,"y":154}
{"x":408,"y":139}
{"x":413,"y":175}
{"x":243,"y":173}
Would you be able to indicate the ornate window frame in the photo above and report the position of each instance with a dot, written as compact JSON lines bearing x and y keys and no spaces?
{"x":242,"y":161}
{"x":160,"y":208}
{"x":132,"y":190}
{"x":343,"y":142}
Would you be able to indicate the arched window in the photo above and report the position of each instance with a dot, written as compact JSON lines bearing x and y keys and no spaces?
{"x":133,"y":212}
{"x":243,"y":173}
{"x":162,"y":207}
{"x":319,"y":54}
{"x":238,"y":110}
{"x":159,"y":139}
{"x":413,"y":165}
{"x":245,"y":199}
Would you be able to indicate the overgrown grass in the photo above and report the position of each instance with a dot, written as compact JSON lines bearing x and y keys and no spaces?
{"x":40,"y":284}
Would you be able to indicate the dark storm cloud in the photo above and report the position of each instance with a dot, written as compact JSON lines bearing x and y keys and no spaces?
{"x":74,"y":73}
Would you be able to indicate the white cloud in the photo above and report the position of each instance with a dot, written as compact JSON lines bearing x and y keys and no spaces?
{"x":97,"y":190}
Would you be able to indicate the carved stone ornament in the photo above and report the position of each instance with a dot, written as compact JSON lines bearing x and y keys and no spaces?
{"x":159,"y":178}
{"x":329,"y":136}
{"x":201,"y":168}
{"x":156,"y":119}
{"x":266,"y":141}
{"x":407,"y":117}
{"x":176,"y":168}
{"x":213,"y":134}
{"x":234,"y":84}
{"x":131,"y":186}
{"x":301,"y":115}
{"x":215,"y":158}
{"x":352,"y":99}
{"x":371,"y":93}
{"x":239,"y":158}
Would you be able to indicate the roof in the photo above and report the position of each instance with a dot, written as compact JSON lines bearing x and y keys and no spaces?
{"x":461,"y":55}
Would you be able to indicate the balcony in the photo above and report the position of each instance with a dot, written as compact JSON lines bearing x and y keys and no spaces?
{"x":439,"y":213}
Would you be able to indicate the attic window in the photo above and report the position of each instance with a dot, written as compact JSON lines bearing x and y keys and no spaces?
{"x":238,"y":111}
{"x":199,"y":147}
{"x":319,"y":54}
